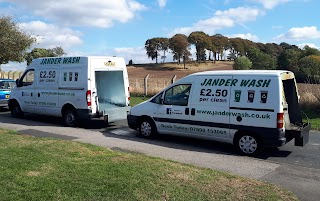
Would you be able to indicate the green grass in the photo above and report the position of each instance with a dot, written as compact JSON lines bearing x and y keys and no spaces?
{"x":312,"y":116}
{"x":134,"y":100}
{"x":49,"y":169}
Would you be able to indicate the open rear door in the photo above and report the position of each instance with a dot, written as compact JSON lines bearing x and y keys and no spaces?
{"x":111,"y":95}
{"x":295,"y":128}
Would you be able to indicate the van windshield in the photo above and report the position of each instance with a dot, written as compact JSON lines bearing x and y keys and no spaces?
{"x":7,"y":85}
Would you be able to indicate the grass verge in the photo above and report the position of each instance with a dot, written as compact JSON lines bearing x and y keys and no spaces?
{"x":135,"y":100}
{"x":49,"y":169}
{"x":312,"y":116}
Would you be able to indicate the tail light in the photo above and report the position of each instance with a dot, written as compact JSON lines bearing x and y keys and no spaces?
{"x":129,"y":95}
{"x":280,"y":120}
{"x":88,"y":96}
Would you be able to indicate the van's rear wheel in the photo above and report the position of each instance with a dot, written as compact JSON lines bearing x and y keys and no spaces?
{"x":249,"y":144}
{"x":16,"y":110}
{"x":147,"y":128}
{"x":70,"y":117}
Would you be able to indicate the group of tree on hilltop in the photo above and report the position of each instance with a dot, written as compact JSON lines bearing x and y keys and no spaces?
{"x":246,"y":54}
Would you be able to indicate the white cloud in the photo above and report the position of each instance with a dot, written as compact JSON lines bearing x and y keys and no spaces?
{"x":83,"y":12}
{"x":14,"y":66}
{"x":269,"y":4}
{"x":247,"y":36}
{"x":221,"y":20}
{"x":300,"y":33}
{"x":162,"y":3}
{"x":50,"y":36}
{"x":137,"y":54}
{"x":302,"y":45}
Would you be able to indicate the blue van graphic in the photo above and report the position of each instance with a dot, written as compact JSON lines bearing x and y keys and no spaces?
{"x":5,"y":87}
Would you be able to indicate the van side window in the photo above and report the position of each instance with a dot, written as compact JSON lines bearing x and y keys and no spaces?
{"x":157,"y":99}
{"x":177,"y":95}
{"x":27,"y":78}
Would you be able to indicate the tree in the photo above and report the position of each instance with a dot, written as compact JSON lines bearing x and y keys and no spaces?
{"x":151,"y":49}
{"x":202,"y":42}
{"x":242,"y":63}
{"x":154,"y":45}
{"x":288,"y":60}
{"x":42,"y":52}
{"x":261,"y":60}
{"x":13,"y":41}
{"x":58,"y":51}
{"x":273,"y":49}
{"x":237,"y":47}
{"x":163,"y":45}
{"x":222,"y":44}
{"x":180,"y":47}
{"x":308,"y":51}
{"x":309,"y":70}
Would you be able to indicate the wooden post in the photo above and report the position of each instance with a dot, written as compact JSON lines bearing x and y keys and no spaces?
{"x":173,"y":80}
{"x":146,"y":85}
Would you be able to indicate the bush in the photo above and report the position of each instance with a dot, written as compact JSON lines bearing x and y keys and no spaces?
{"x":242,"y":63}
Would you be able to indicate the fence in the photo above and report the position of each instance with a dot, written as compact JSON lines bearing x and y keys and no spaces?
{"x":10,"y":75}
{"x":149,"y":86}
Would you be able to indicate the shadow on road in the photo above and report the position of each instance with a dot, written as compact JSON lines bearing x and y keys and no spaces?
{"x":191,"y":144}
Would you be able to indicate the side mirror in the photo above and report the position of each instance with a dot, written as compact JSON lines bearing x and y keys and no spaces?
{"x":18,"y":83}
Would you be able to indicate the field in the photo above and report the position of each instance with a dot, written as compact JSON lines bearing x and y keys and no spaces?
{"x":160,"y":75}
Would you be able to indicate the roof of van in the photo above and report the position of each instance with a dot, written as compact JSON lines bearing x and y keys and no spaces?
{"x":70,"y":59}
{"x":243,"y":72}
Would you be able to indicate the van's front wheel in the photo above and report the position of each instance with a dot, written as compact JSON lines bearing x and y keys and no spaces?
{"x":70,"y":118}
{"x":249,"y":144}
{"x":147,"y":128}
{"x":16,"y":110}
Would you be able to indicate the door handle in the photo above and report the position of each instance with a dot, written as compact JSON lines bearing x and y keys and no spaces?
{"x":193,"y":111}
{"x":186,"y":111}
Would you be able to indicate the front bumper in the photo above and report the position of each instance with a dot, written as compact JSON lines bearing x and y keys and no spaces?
{"x":133,"y":121}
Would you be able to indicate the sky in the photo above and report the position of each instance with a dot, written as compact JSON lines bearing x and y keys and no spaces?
{"x":121,"y":27}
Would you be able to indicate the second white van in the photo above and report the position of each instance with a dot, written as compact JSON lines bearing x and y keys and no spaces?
{"x":251,"y":109}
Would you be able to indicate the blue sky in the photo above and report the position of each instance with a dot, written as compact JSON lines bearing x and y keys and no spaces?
{"x":121,"y":27}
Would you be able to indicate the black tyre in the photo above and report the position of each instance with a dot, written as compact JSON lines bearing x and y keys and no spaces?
{"x":16,"y":110}
{"x":70,"y":118}
{"x":147,"y":128}
{"x":249,"y":144}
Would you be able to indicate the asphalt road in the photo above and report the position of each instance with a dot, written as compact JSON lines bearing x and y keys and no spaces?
{"x":294,"y":168}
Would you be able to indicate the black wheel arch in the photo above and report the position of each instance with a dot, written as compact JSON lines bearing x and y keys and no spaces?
{"x":66,"y":107}
{"x":12,"y":102}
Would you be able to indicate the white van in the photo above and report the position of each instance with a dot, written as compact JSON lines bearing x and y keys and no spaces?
{"x":73,"y":87}
{"x":251,"y":109}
